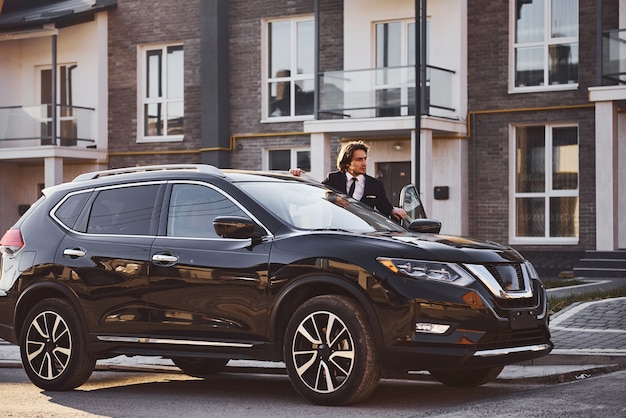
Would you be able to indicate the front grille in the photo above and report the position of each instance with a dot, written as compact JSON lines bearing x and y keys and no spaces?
{"x":508,"y":276}
{"x":509,"y":338}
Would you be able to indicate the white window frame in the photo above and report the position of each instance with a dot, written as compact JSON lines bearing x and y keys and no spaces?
{"x":293,"y":156}
{"x":67,"y":116}
{"x":267,"y":78}
{"x":546,"y":194}
{"x":546,"y":43}
{"x":141,"y":92}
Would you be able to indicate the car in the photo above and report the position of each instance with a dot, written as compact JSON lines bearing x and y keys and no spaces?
{"x":203,"y":265}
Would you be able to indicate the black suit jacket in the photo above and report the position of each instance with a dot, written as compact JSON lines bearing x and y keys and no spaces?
{"x":374,"y":194}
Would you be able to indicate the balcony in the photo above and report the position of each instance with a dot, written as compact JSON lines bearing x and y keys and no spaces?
{"x":614,"y":57}
{"x":385,"y":92}
{"x":31,"y":127}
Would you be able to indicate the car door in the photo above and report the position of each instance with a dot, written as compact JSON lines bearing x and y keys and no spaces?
{"x":205,"y":289}
{"x":105,"y":258}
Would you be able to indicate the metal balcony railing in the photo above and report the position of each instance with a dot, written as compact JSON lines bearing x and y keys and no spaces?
{"x":31,"y":126}
{"x":384,"y":92}
{"x":614,"y":56}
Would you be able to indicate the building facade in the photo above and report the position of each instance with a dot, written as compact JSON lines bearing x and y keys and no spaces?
{"x":520,"y":139}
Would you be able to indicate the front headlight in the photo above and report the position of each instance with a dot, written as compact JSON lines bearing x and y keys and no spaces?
{"x":428,"y":270}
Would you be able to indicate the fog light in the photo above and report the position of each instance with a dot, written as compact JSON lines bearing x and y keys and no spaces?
{"x":430,"y":328}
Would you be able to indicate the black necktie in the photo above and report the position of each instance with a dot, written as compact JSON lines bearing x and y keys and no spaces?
{"x":352,"y":187}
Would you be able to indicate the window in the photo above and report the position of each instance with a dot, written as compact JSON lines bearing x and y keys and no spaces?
{"x":545,"y":44}
{"x":192,"y":210}
{"x":67,"y":130}
{"x":162,"y":94}
{"x":123,"y":211}
{"x":290,"y":68}
{"x":545,"y":198}
{"x":395,"y":64}
{"x":285,"y":159}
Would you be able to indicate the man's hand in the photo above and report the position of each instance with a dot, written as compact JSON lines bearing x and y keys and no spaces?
{"x":398,"y":213}
{"x":297,"y":171}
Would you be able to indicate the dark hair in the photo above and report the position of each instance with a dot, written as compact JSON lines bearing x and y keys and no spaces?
{"x":344,"y":158}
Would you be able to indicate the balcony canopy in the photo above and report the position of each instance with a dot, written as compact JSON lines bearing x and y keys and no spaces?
{"x":24,"y":15}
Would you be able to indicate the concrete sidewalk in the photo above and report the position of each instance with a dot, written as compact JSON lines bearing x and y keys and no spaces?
{"x":589,"y":339}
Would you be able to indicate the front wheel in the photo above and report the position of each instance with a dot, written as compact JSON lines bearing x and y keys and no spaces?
{"x":473,"y":377}
{"x":53,"y":347}
{"x":329,"y":351}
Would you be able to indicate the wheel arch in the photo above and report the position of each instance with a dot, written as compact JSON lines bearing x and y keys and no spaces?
{"x":304,"y":289}
{"x":42,"y":291}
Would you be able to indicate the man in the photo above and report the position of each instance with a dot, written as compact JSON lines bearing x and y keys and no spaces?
{"x":352,"y":180}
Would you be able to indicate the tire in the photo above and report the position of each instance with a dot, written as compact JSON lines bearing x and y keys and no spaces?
{"x":473,"y":377}
{"x":53,"y":347}
{"x":329,"y":352}
{"x":200,"y":367}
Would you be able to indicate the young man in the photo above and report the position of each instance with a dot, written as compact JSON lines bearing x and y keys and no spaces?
{"x":352,"y":180}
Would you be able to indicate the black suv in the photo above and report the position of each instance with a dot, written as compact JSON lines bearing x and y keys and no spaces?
{"x":202,"y":265}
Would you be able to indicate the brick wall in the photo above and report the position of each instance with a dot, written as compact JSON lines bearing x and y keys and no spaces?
{"x":137,"y":22}
{"x":492,"y":110}
{"x":246,"y":82}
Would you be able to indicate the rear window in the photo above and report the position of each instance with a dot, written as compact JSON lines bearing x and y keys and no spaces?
{"x":123,"y":211}
{"x":70,"y":209}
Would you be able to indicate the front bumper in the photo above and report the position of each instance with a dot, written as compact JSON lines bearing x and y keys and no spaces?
{"x":460,"y":327}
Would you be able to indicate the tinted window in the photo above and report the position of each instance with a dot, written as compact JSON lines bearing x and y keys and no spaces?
{"x":192,"y":210}
{"x":123,"y":211}
{"x":69,"y":210}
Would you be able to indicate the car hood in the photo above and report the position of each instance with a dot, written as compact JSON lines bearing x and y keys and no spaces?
{"x":460,"y":249}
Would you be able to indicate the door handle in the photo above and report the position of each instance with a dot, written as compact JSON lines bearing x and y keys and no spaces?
{"x":164,"y":258}
{"x":74,"y":252}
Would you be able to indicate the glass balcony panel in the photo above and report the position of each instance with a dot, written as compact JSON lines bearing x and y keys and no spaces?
{"x":384,"y":92}
{"x":614,"y":56}
{"x":31,"y":126}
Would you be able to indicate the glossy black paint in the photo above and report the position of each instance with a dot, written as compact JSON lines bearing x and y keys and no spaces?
{"x":238,"y":294}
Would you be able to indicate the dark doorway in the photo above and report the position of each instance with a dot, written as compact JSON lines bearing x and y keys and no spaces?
{"x":394,"y":176}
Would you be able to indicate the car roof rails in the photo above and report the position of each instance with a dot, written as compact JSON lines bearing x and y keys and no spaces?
{"x":201,"y":168}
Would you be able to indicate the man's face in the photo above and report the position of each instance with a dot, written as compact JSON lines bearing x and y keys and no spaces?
{"x":358,"y":165}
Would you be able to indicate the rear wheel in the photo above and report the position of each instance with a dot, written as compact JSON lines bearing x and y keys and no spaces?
{"x":200,"y":367}
{"x":53,"y":347}
{"x":329,"y":351}
{"x":473,"y":377}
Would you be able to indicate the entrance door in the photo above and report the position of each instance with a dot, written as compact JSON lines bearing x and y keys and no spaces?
{"x":395,"y":176}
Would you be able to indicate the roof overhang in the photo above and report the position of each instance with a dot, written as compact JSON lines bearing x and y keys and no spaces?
{"x":60,"y":14}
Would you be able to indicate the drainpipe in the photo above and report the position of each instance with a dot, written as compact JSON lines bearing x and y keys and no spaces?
{"x":316,"y":61}
{"x":418,"y":95}
{"x":53,"y":75}
{"x":599,"y":43}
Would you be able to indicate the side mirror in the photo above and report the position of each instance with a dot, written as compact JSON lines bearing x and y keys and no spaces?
{"x":428,"y":226}
{"x":234,"y":227}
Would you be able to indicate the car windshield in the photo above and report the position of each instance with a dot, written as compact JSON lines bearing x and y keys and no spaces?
{"x":311,"y":207}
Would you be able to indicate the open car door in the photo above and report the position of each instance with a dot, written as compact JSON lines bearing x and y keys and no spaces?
{"x":416,"y":219}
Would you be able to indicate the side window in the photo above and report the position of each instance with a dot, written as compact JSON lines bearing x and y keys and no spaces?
{"x":123,"y":211}
{"x":284,"y":159}
{"x":70,"y":209}
{"x":192,"y":209}
{"x":545,"y":172}
{"x":290,"y":53}
{"x":162,"y":94}
{"x":545,"y":44}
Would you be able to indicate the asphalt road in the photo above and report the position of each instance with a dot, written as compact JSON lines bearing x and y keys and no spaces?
{"x":120,"y":394}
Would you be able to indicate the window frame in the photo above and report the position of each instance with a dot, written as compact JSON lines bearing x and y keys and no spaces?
{"x":267,"y":78}
{"x":293,"y":156}
{"x":548,"y":192}
{"x":142,"y":99}
{"x":547,"y":41}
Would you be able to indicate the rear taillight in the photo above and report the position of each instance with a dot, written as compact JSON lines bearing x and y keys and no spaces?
{"x":12,"y":240}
